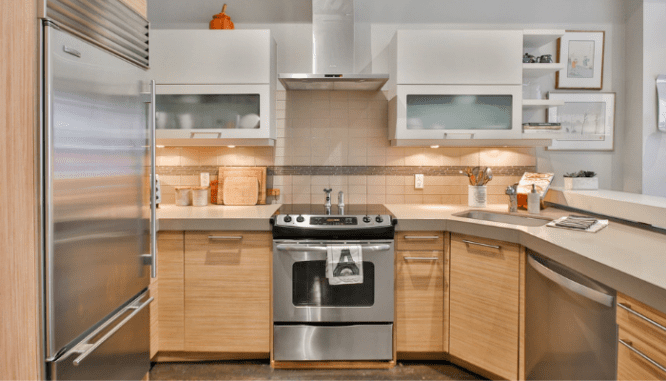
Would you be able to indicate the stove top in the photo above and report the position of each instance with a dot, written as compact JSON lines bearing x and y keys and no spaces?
{"x":315,"y":221}
{"x":320,"y":210}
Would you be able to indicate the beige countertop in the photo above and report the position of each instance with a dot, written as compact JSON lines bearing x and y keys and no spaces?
{"x":215,"y":217}
{"x":626,"y":258}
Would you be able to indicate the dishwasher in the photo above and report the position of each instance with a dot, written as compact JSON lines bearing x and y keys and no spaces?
{"x":570,"y":328}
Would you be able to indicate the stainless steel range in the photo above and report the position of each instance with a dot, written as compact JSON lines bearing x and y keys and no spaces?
{"x":315,"y":320}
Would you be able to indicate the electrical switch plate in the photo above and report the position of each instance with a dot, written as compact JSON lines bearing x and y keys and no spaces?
{"x":418,"y":181}
{"x":204,"y":179}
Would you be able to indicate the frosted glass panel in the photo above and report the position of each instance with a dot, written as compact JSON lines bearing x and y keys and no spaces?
{"x":207,"y":111}
{"x":459,"y":112}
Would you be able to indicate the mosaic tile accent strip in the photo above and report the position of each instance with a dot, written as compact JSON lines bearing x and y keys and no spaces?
{"x":350,"y":170}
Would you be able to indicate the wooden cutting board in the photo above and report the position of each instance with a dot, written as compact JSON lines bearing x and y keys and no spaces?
{"x":256,"y":172}
{"x":241,"y":191}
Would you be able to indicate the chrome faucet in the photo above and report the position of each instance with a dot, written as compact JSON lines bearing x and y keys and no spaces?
{"x":341,"y":199}
{"x":328,"y":197}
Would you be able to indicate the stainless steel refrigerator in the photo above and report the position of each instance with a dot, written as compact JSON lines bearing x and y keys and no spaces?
{"x":96,"y":190}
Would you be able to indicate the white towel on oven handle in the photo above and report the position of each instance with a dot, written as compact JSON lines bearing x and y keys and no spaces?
{"x":344,"y":264}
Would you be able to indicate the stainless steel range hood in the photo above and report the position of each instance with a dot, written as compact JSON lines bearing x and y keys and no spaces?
{"x":333,"y":52}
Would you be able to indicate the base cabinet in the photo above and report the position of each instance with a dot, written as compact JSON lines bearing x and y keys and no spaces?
{"x":420,"y":286}
{"x":642,"y":341}
{"x":213,"y":294}
{"x":484,"y":304}
{"x":227,"y":292}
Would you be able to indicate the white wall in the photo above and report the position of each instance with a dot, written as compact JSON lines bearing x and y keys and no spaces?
{"x":633,"y":136}
{"x":654,"y":63}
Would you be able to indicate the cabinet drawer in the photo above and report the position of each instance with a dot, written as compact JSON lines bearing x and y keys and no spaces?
{"x":431,"y":240}
{"x":420,"y":285}
{"x":631,"y":365}
{"x":646,"y":336}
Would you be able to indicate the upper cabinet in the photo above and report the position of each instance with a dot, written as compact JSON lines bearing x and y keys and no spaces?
{"x":457,"y":88}
{"x":456,"y":57}
{"x":215,"y":87}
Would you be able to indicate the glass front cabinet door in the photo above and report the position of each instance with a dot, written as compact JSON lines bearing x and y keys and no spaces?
{"x":428,"y":115}
{"x":215,"y":115}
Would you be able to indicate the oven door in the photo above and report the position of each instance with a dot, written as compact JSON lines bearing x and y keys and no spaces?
{"x":301,"y":292}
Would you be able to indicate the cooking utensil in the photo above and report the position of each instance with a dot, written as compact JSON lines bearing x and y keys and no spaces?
{"x":475,"y":175}
{"x":488,"y":175}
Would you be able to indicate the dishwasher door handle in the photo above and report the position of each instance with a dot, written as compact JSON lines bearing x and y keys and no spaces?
{"x":594,"y":295}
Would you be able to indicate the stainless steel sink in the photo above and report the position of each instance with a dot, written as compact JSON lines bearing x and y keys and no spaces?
{"x":504,"y":218}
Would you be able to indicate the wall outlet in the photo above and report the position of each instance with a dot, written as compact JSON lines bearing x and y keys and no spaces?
{"x":204,"y":178}
{"x":418,"y":181}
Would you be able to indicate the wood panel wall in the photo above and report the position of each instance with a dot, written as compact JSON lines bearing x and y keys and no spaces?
{"x":20,"y":356}
{"x":140,"y":6}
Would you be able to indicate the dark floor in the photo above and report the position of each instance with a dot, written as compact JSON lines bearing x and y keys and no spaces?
{"x":260,"y":370}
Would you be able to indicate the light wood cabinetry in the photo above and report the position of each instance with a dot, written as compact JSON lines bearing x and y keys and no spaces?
{"x":213,"y":295}
{"x":227,"y":291}
{"x":140,"y":6}
{"x":642,"y":346}
{"x":20,"y":356}
{"x":171,"y":292}
{"x":484,"y":304}
{"x":421,"y":289}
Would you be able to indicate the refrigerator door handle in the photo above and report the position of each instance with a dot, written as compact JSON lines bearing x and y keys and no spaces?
{"x":594,"y":295}
{"x":84,"y":348}
{"x":150,"y":98}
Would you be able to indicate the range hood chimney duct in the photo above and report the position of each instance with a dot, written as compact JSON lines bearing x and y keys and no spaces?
{"x":333,"y":52}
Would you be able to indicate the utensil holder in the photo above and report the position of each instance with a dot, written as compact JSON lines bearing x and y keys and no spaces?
{"x":477,"y":196}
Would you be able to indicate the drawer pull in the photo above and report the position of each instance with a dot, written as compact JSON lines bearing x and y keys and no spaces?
{"x":234,"y":237}
{"x":641,"y":354}
{"x":421,"y":258}
{"x":421,"y":237}
{"x":481,"y":244}
{"x":627,"y":308}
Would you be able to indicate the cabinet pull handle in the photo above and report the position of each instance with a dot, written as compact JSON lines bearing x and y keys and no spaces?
{"x":641,"y":354}
{"x":234,"y":237}
{"x":421,"y":258}
{"x":481,"y":244}
{"x":421,"y":237}
{"x":627,"y":308}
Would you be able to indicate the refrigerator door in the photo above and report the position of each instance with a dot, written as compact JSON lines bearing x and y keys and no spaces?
{"x":95,"y":172}
{"x":117,"y":350}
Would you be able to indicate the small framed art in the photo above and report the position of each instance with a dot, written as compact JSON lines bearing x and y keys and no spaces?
{"x":582,"y":52}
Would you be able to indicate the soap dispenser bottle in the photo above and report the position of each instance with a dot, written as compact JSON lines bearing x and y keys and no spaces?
{"x":533,"y":201}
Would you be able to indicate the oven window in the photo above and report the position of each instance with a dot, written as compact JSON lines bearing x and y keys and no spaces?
{"x":459,"y":112}
{"x":310,"y":287}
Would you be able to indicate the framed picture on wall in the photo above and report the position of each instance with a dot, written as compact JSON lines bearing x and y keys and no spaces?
{"x":582,"y":52}
{"x":587,"y":119}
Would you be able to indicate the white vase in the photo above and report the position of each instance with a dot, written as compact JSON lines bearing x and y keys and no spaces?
{"x":581,"y":183}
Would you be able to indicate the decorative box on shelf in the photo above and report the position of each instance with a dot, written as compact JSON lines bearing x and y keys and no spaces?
{"x":581,"y":183}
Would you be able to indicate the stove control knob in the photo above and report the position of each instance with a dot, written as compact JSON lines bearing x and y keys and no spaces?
{"x":287,"y":218}
{"x":300,"y":219}
{"x":366,"y":219}
{"x":379,"y":219}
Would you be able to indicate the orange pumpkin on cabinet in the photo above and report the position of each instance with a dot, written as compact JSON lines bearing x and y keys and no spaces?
{"x":221,"y":20}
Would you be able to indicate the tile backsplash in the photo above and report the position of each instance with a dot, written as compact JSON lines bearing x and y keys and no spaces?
{"x":339,"y":140}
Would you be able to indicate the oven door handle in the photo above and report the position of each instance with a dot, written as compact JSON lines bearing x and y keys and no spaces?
{"x":365,"y":248}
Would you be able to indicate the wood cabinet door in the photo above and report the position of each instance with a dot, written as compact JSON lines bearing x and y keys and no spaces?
{"x":170,"y":301}
{"x":484,"y":304}
{"x":227,"y":291}
{"x":419,"y":294}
